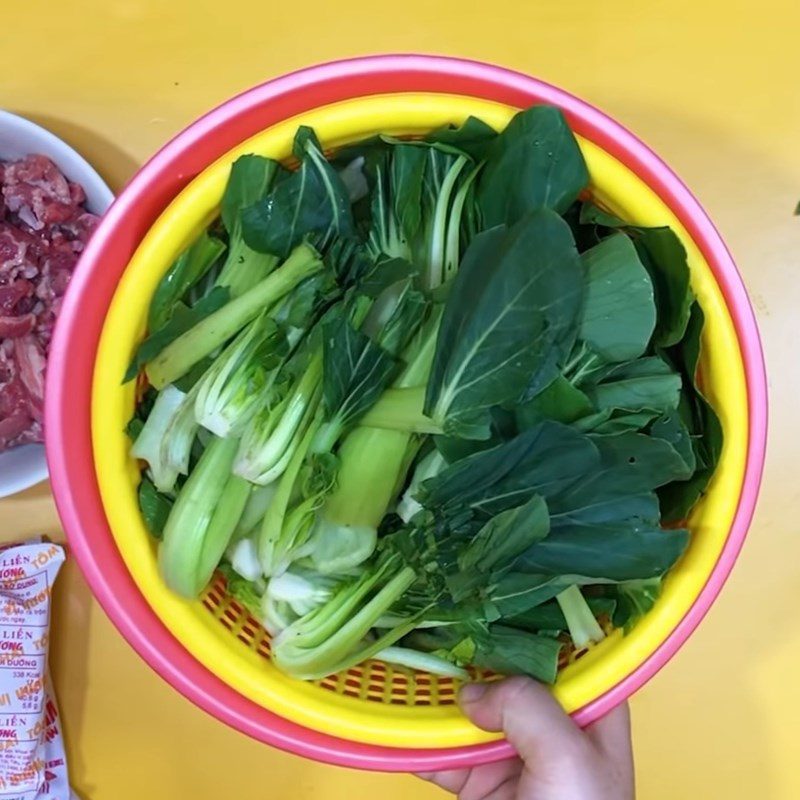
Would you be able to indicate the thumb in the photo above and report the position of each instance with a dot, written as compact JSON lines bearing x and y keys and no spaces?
{"x":531,"y":718}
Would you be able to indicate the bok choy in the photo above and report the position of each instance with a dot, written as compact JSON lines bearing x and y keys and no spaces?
{"x":425,"y":401}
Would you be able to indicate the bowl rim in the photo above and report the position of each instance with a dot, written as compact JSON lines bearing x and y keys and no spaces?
{"x":78,"y":500}
{"x":77,"y":168}
{"x":430,"y":726}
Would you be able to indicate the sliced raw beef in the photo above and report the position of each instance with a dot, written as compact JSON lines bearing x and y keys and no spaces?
{"x":44,"y":227}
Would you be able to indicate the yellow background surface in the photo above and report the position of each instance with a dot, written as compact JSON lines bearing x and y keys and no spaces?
{"x":713,"y":86}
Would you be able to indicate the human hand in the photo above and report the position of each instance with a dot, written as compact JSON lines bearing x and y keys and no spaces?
{"x":557,"y":760}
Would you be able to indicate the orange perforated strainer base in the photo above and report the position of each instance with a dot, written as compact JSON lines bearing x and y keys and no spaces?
{"x":374,"y":681}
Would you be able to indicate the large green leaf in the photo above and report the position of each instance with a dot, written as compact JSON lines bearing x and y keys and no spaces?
{"x":611,"y":421}
{"x":509,"y":651}
{"x":155,"y":507}
{"x":356,"y":370}
{"x":497,"y":545}
{"x":248,"y":182}
{"x":600,"y":492}
{"x":549,"y":616}
{"x":473,"y":137}
{"x":619,"y":314}
{"x":634,"y":599}
{"x":593,"y":486}
{"x":616,"y":550}
{"x":665,"y":257}
{"x":647,"y":383}
{"x":672,"y":429}
{"x":607,"y":525}
{"x":630,"y":464}
{"x":543,"y":460}
{"x":192,"y":264}
{"x":510,"y":318}
{"x":182,"y":319}
{"x":396,"y":175}
{"x":407,"y":175}
{"x":702,"y":423}
{"x":312,"y":201}
{"x":560,"y":401}
{"x":516,"y":592}
{"x":534,"y":163}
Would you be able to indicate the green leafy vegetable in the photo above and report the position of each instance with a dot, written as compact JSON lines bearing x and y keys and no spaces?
{"x":189,"y":268}
{"x":243,"y":591}
{"x":167,"y":411}
{"x":202,"y":520}
{"x":356,"y":370}
{"x":473,"y":137}
{"x":273,"y":434}
{"x":619,"y":315}
{"x":511,"y":652}
{"x":647,"y":383}
{"x":419,"y":205}
{"x":498,"y":545}
{"x":633,"y":600}
{"x":279,"y":543}
{"x":665,"y":257}
{"x":510,"y":318}
{"x":313,"y":201}
{"x":703,"y":426}
{"x":549,"y":616}
{"x":183,"y":319}
{"x":455,"y":428}
{"x":213,"y":330}
{"x":155,"y":507}
{"x":583,"y":626}
{"x":534,"y":163}
{"x":250,"y":179}
{"x":238,"y":381}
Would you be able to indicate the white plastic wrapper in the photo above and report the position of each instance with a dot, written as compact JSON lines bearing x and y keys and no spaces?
{"x":32,"y":761}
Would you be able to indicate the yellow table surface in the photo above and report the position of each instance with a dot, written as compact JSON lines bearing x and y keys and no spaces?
{"x":713,"y":86}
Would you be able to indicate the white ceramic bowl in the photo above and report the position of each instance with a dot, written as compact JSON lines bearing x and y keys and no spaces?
{"x":25,"y":466}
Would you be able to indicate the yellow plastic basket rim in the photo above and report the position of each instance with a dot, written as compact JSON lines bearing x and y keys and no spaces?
{"x":395,"y":725}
